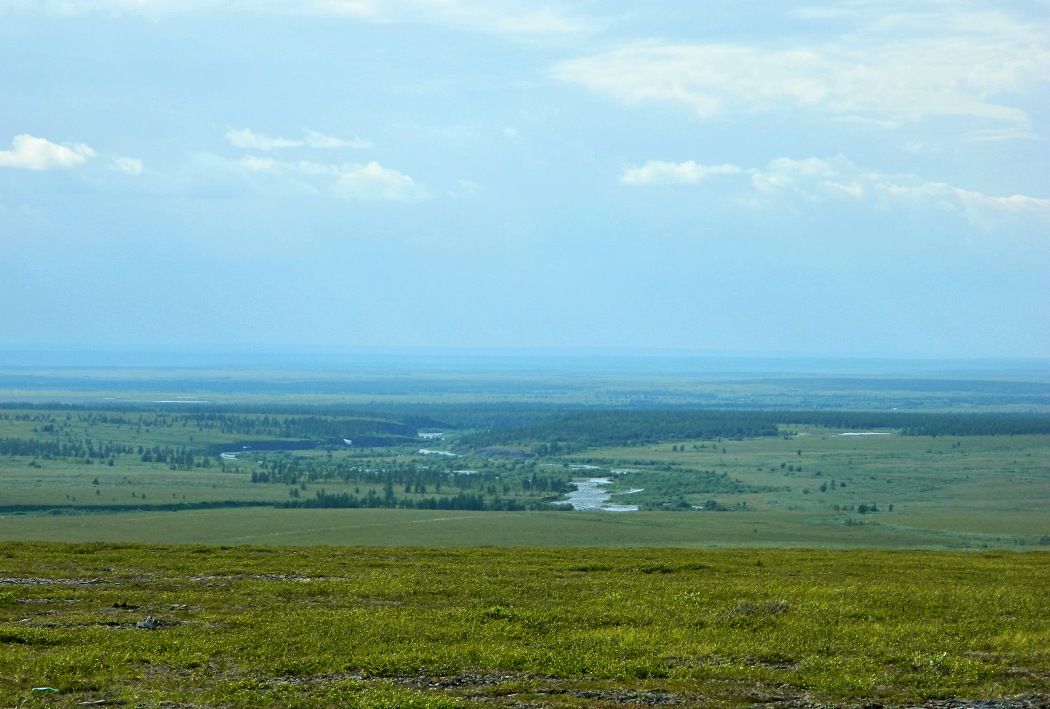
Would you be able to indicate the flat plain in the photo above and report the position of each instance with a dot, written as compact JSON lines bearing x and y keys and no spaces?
{"x":234,"y":541}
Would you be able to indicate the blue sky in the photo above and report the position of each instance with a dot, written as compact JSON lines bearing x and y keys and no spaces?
{"x":863,"y":178}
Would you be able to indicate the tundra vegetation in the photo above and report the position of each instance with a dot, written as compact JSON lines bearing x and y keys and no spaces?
{"x":422,"y":554}
{"x":328,"y":626}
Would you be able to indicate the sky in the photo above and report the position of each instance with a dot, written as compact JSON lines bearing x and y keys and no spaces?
{"x":861,"y":178}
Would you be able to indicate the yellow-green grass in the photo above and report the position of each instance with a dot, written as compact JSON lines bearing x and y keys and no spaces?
{"x":324,"y":626}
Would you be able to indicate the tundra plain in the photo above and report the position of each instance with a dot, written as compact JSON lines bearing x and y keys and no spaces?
{"x":166,"y":546}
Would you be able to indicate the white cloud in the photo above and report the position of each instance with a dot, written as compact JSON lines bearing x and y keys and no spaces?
{"x":320,"y":140}
{"x":366,"y":182}
{"x":785,"y":173}
{"x":246,"y":138}
{"x":374,"y":182}
{"x":256,"y":141}
{"x":129,"y":166}
{"x":946,"y":63}
{"x":657,"y":172}
{"x":976,"y":205}
{"x":32,"y":153}
{"x":817,"y":180}
{"x":995,"y":135}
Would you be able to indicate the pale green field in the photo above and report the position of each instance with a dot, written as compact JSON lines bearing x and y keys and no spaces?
{"x":378,"y":527}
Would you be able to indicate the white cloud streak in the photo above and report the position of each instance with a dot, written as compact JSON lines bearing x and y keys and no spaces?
{"x":248,"y":139}
{"x":950,"y":64}
{"x":817,"y":180}
{"x":656,"y":172}
{"x":369,"y":182}
{"x":31,"y":153}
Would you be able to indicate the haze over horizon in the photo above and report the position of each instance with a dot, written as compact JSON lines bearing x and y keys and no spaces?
{"x":863,"y":178}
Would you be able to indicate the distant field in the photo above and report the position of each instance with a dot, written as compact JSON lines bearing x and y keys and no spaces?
{"x":156,"y":475}
{"x":208,"y":626}
{"x":418,"y":528}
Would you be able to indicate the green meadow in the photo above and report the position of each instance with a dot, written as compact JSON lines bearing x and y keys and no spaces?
{"x":242,"y":626}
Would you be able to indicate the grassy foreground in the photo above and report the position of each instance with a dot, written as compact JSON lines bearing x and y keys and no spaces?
{"x":324,"y":626}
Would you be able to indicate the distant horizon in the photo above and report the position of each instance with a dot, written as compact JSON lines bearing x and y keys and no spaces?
{"x":496,"y":358}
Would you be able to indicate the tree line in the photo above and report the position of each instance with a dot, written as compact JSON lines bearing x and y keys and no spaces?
{"x":390,"y":500}
{"x":570,"y":431}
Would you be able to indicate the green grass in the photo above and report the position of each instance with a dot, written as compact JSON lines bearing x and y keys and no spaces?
{"x":322,"y":626}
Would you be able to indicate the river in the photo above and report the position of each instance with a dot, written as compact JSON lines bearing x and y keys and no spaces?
{"x":590,"y":496}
